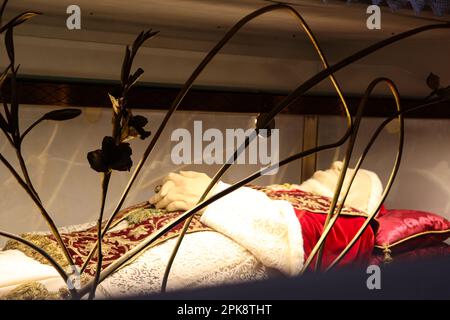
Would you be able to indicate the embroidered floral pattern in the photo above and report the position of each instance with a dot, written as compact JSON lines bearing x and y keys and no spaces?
{"x":302,"y":200}
{"x":145,"y":221}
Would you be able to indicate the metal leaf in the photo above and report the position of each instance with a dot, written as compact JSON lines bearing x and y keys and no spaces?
{"x":9,"y":44}
{"x":21,"y":18}
{"x":2,"y":9}
{"x":126,"y":66}
{"x":433,"y":81}
{"x":3,"y":124}
{"x":141,"y":38}
{"x":4,"y":75}
{"x":115,"y":103}
{"x":137,"y":42}
{"x":126,"y":80}
{"x":14,"y":123}
{"x":7,"y":112}
{"x":62,"y":114}
{"x":135,"y":77}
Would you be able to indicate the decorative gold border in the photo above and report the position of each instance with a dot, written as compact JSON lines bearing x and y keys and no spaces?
{"x":417,"y":235}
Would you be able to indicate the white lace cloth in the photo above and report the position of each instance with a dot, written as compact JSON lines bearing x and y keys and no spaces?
{"x":269,"y":229}
{"x":255,"y":238}
{"x":204,"y":259}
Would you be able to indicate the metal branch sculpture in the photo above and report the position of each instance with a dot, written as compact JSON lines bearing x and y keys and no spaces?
{"x":115,"y":152}
{"x":9,"y":124}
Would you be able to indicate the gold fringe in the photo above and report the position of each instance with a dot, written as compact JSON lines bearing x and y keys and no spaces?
{"x":387,"y":255}
{"x":43,"y":242}
{"x":31,"y":291}
{"x":37,"y":291}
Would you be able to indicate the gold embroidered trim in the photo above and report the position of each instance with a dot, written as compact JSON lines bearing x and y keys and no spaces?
{"x":303,"y":200}
{"x":31,"y":291}
{"x":387,"y":255}
{"x":43,"y":242}
{"x":420,"y":234}
{"x":53,"y":249}
{"x":140,"y":215}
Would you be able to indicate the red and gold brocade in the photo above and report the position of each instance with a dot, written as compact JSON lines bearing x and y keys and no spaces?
{"x":311,"y":211}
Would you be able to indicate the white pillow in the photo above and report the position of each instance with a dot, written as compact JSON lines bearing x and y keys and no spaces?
{"x":365,"y":192}
{"x":17,"y":269}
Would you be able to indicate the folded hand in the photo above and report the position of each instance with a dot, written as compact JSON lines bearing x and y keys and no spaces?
{"x":180,"y":191}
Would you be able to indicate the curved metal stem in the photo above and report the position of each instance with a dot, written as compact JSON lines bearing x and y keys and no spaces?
{"x":285,"y":103}
{"x":297,"y":93}
{"x":34,"y":124}
{"x":226,"y":166}
{"x":188,"y":85}
{"x":24,"y":169}
{"x":388,"y":186}
{"x":8,"y":137}
{"x":149,"y":241}
{"x":334,"y":215}
{"x":340,"y":183}
{"x":105,"y":183}
{"x":44,"y":212}
{"x":390,"y":182}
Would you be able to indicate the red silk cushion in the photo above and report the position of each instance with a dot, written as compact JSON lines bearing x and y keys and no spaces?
{"x":402,"y":230}
{"x":382,"y":211}
{"x":437,"y":250}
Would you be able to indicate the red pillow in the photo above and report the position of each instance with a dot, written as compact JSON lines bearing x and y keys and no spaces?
{"x":382,"y":211}
{"x":402,"y":230}
{"x":437,"y":250}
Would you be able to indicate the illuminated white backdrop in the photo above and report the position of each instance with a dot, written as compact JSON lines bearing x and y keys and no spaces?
{"x":55,"y":154}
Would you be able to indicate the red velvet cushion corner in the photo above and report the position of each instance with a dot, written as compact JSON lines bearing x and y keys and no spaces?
{"x":402,"y":230}
{"x":382,"y":211}
{"x":440,"y":249}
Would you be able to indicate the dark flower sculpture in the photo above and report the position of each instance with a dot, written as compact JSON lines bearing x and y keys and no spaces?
{"x":136,"y":125}
{"x":9,"y":125}
{"x":115,"y":153}
{"x":111,"y":156}
{"x":133,"y":127}
{"x":434,"y":83}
